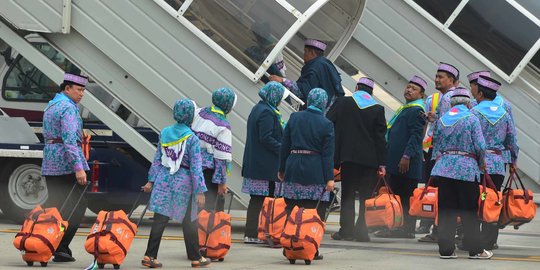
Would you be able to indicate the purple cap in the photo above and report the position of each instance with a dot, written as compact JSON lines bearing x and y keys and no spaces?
{"x":315,"y":43}
{"x":449,"y":68}
{"x":419,"y":81}
{"x":474,"y":76}
{"x":489,"y":83}
{"x":366,"y":81}
{"x":461,"y":92}
{"x":79,"y":80}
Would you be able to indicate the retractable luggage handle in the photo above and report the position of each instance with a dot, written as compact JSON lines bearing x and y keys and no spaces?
{"x":135,"y":205}
{"x":78,"y":201}
{"x":211,"y":217}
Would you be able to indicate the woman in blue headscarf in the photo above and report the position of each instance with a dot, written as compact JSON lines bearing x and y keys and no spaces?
{"x":177,"y":185}
{"x":306,"y":164}
{"x":307,"y":155}
{"x":214,"y":131}
{"x":261,"y":154}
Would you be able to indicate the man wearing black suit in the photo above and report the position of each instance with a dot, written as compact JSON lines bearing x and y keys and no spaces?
{"x":360,"y":128}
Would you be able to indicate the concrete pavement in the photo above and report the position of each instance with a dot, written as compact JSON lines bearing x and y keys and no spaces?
{"x":518,"y":249}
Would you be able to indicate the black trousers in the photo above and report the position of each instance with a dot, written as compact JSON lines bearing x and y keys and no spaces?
{"x":59,"y":187}
{"x":189,"y":228}
{"x":254,"y":209}
{"x":404,"y":187}
{"x":458,"y":198}
{"x":490,"y":232}
{"x":309,"y":204}
{"x":212,"y":194}
{"x":361,"y":179}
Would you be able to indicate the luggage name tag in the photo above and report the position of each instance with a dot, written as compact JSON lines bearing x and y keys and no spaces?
{"x":427,"y":207}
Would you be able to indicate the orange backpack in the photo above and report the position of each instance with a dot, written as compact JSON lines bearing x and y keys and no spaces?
{"x":384,"y":208}
{"x":215,"y":233}
{"x":518,"y":205}
{"x":272,"y":220}
{"x":40,"y":235}
{"x":110,"y":238}
{"x":424,"y":201}
{"x":302,"y":236}
{"x":489,"y":201}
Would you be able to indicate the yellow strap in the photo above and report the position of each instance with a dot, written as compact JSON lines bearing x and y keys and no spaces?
{"x":176,"y":142}
{"x":403,"y":107}
{"x":217,"y":110}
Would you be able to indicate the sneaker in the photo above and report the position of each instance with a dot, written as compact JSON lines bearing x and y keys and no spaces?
{"x":252,"y":240}
{"x":202,"y":262}
{"x":429,"y":238}
{"x":486,"y":254}
{"x":451,"y":256}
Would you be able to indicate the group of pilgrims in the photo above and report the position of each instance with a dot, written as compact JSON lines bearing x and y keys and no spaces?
{"x":452,"y":137}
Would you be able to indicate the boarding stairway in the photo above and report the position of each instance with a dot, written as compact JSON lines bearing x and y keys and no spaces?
{"x":147,"y":54}
{"x":394,"y":41}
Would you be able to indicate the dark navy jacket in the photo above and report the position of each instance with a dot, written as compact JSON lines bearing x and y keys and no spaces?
{"x":263,"y":140}
{"x":308,"y":130}
{"x":405,"y":138}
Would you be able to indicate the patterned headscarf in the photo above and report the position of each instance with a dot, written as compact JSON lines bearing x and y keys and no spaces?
{"x":318,"y":98}
{"x":272,"y":93}
{"x":183,"y":111}
{"x":224,"y":98}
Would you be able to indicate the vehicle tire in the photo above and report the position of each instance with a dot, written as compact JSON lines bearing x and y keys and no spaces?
{"x":21,"y":188}
{"x":100,"y":205}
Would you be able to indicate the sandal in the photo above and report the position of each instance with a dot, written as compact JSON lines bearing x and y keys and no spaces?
{"x":151,"y":262}
{"x":202,"y":262}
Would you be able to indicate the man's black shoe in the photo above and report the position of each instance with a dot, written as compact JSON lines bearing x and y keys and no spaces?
{"x":337,"y":236}
{"x":62,"y":257}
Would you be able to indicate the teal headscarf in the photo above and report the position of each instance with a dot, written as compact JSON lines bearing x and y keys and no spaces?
{"x":317,"y":99}
{"x":183,"y":112}
{"x":272,"y":93}
{"x":224,"y":100}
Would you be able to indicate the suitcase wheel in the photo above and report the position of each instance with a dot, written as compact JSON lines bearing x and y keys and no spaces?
{"x":28,"y":263}
{"x":101,"y":265}
{"x":43,"y":264}
{"x":307,"y":262}
{"x":116,"y":266}
{"x":516,"y":227}
{"x":222,"y":259}
{"x":292,"y":261}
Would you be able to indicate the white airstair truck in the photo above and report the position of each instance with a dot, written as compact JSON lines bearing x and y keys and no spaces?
{"x":147,"y":54}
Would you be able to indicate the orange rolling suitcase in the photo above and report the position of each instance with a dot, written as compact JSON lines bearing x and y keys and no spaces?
{"x":272,"y":220}
{"x":518,"y":205}
{"x":302,"y":236}
{"x":215,"y":232}
{"x":384,"y":208}
{"x":111,"y":236}
{"x":42,"y":232}
{"x":40,"y":235}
